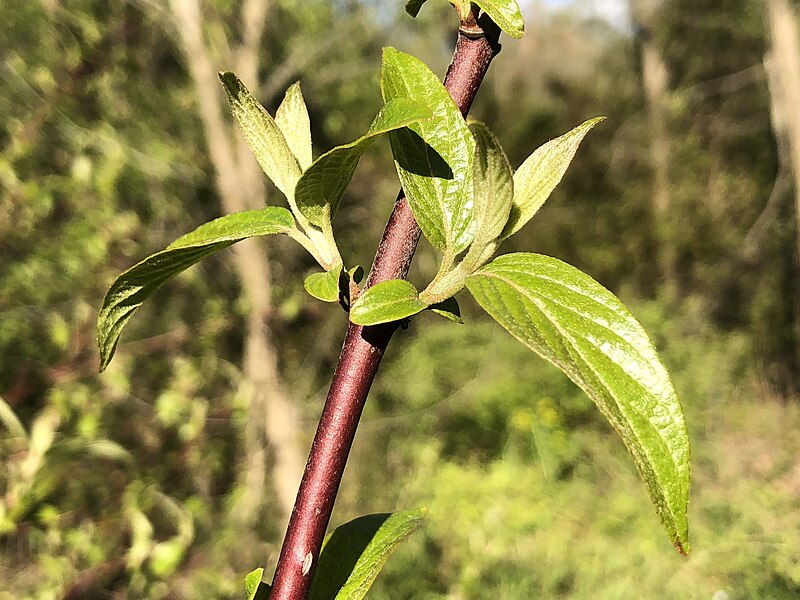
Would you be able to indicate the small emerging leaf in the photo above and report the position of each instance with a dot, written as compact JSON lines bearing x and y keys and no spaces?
{"x":293,"y":121}
{"x":254,"y":587}
{"x":506,"y":14}
{"x":136,"y":284}
{"x":355,"y":553}
{"x":322,"y":186}
{"x":541,"y":172}
{"x":448,"y":309}
{"x":433,"y":158}
{"x":263,"y":135}
{"x":324,"y":286}
{"x":493,"y":190}
{"x":572,"y":321}
{"x":385,"y":302}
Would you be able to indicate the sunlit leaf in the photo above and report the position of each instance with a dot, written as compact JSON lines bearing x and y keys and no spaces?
{"x":324,"y":286}
{"x":293,"y":121}
{"x":355,"y":553}
{"x":493,"y":189}
{"x":385,"y":302}
{"x":263,"y":135}
{"x":575,"y":323}
{"x":322,"y":186}
{"x":541,"y":172}
{"x":434,"y":157}
{"x":506,"y":14}
{"x":136,"y":284}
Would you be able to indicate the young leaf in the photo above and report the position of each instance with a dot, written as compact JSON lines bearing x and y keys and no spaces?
{"x":254,"y":587}
{"x":572,"y":321}
{"x":493,"y":190}
{"x":448,"y":309}
{"x":322,"y":186}
{"x":433,"y":158}
{"x":385,"y":302}
{"x":292,"y":119}
{"x":355,"y":553}
{"x":136,"y":284}
{"x":263,"y":135}
{"x":506,"y":14}
{"x":324,"y":286}
{"x":541,"y":172}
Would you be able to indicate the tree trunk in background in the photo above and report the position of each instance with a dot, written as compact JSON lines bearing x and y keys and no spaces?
{"x":783,"y":71}
{"x":272,"y":419}
{"x":655,"y":80}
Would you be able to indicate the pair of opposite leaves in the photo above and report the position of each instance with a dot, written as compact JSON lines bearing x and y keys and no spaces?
{"x":551,"y":307}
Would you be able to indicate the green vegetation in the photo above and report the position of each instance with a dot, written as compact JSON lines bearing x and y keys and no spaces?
{"x":135,"y":479}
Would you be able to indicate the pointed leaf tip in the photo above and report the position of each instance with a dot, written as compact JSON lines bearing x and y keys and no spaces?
{"x":541,"y":172}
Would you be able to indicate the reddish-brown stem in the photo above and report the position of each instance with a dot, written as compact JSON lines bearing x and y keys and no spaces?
{"x":362,"y":352}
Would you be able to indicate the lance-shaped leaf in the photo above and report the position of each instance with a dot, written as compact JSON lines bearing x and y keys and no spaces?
{"x":293,"y":121}
{"x":541,"y":172}
{"x":263,"y":135}
{"x":575,"y":323}
{"x":506,"y":14}
{"x":493,"y":190}
{"x":322,"y":186}
{"x":385,"y":302}
{"x":324,"y":286}
{"x":136,"y":284}
{"x":434,"y":157}
{"x":355,"y":553}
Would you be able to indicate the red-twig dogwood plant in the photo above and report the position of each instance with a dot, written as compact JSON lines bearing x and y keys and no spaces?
{"x":461,"y":193}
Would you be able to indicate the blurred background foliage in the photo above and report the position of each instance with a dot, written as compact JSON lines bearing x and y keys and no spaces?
{"x":137,"y":483}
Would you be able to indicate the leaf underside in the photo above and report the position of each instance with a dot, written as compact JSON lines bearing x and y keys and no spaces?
{"x":293,"y":121}
{"x":139,"y":282}
{"x":263,"y":135}
{"x":572,"y":321}
{"x":506,"y":14}
{"x":355,"y":552}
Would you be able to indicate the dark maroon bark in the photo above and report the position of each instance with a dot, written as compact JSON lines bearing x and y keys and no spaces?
{"x":362,"y":353}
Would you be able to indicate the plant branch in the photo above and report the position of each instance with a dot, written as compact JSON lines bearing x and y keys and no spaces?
{"x":362,"y":353}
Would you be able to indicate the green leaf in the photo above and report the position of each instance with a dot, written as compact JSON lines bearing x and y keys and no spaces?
{"x":12,"y":423}
{"x":292,"y":119}
{"x":356,"y":274}
{"x":136,"y":284}
{"x":448,"y":309}
{"x":385,"y":302}
{"x":433,"y":158}
{"x":572,"y":321}
{"x":541,"y":172}
{"x":324,"y":286}
{"x":413,"y":6}
{"x":493,"y":191}
{"x":255,"y":588}
{"x":506,"y":14}
{"x":322,"y":186}
{"x":263,"y":135}
{"x":355,"y":553}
